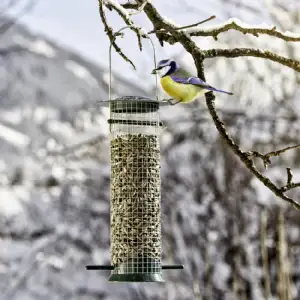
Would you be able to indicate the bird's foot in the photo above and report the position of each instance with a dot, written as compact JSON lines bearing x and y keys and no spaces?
{"x":170,"y":101}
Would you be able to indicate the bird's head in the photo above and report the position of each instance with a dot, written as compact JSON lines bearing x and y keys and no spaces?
{"x":166,"y":67}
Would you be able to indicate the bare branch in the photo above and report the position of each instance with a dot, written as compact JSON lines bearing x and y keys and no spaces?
{"x":238,"y":52}
{"x":122,"y":12}
{"x":244,"y":157}
{"x":289,"y":183}
{"x":290,"y":186}
{"x":129,"y":5}
{"x":177,"y":36}
{"x":111,"y":35}
{"x":185,"y":27}
{"x":266,"y":157}
{"x":289,"y":175}
{"x":235,"y":24}
{"x":139,"y":8}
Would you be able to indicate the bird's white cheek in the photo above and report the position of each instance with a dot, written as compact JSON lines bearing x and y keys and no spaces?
{"x":163,"y":71}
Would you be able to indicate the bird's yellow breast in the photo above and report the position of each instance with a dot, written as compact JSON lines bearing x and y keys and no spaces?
{"x":180,"y":92}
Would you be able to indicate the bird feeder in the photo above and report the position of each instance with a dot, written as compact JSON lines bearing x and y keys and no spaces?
{"x":135,"y":196}
{"x":135,"y":210}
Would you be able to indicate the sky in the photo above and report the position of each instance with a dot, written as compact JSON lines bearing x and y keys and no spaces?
{"x":76,"y":24}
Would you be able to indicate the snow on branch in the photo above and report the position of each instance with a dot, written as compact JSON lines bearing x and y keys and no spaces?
{"x":238,"y":25}
{"x":111,"y":34}
{"x":239,"y":52}
{"x":126,"y":17}
{"x":140,"y":7}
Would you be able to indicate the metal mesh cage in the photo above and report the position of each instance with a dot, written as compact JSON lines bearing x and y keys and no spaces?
{"x":135,"y":189}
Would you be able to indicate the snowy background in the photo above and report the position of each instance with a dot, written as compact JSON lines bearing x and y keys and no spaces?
{"x":54,"y":211}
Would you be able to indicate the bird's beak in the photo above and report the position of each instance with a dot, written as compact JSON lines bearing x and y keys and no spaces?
{"x":154,"y":71}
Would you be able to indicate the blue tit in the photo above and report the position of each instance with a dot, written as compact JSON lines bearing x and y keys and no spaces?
{"x":182,"y":89}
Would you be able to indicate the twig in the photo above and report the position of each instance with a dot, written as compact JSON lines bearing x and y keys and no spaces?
{"x":289,"y":183}
{"x":111,"y":35}
{"x":129,"y":5}
{"x":139,"y":8}
{"x":235,"y":24}
{"x":177,"y":36}
{"x":289,"y":175}
{"x":238,"y":52}
{"x":125,"y":16}
{"x":184,"y":27}
{"x":266,"y":157}
{"x":244,"y":156}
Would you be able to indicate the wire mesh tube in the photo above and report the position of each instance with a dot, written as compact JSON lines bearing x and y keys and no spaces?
{"x":135,"y":191}
{"x":135,"y":187}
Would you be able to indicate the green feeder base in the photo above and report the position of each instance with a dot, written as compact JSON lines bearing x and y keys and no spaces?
{"x":138,"y":269}
{"x":137,"y":277}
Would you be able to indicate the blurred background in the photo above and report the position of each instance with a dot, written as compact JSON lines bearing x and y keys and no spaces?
{"x":235,"y":238}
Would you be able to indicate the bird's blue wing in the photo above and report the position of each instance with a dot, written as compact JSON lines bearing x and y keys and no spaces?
{"x":197,"y":81}
{"x":190,"y":80}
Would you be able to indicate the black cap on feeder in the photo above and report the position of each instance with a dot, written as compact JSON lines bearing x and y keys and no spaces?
{"x":135,"y":212}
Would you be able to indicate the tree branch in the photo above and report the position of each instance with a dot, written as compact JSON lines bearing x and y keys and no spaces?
{"x":139,"y":8}
{"x":244,"y":156}
{"x":111,"y":35}
{"x":177,"y":36}
{"x":266,"y":157}
{"x":238,"y":52}
{"x":122,"y":12}
{"x":235,"y":24}
{"x":167,"y":31}
{"x":187,"y":26}
{"x":289,"y":183}
{"x":129,"y":5}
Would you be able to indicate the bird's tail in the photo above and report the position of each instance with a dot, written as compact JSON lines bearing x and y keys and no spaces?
{"x":216,"y":90}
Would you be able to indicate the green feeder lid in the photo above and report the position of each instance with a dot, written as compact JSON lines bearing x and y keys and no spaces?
{"x":133,"y":104}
